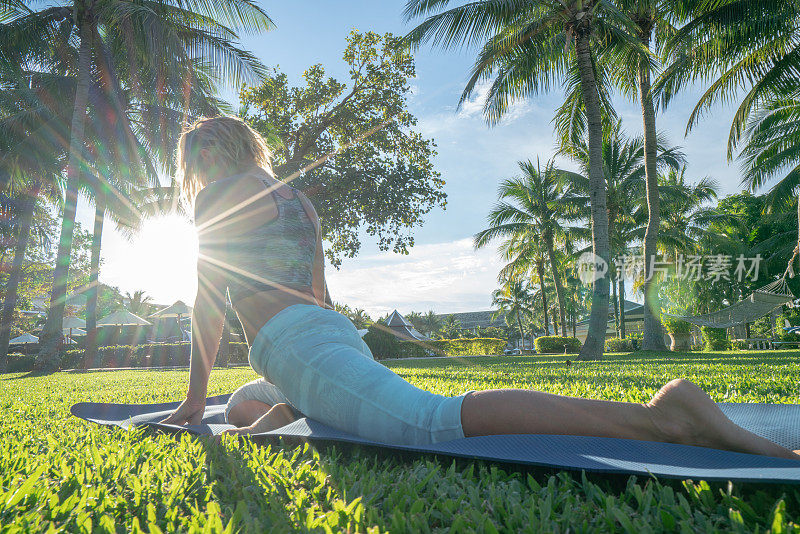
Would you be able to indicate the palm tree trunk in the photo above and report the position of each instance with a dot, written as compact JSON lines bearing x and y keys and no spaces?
{"x":615,"y":300}
{"x":622,"y":330}
{"x":652,"y":336}
{"x":557,"y":283}
{"x":540,"y":273}
{"x":574,"y":325}
{"x":598,"y":318}
{"x":10,"y":300}
{"x":94,"y":281}
{"x":47,"y":359}
{"x":521,"y":334}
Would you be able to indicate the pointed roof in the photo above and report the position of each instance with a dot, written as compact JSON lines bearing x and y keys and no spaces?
{"x":400,"y":326}
{"x":24,"y":338}
{"x":178,"y":309}
{"x":395,"y":319}
{"x":73,"y":322}
{"x":122,"y":318}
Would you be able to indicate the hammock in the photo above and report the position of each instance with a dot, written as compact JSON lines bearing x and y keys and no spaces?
{"x":758,"y":304}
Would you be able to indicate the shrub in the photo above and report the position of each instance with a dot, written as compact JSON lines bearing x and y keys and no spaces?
{"x":381,"y":343}
{"x":557,"y":344}
{"x":476,"y":346}
{"x":615,"y":344}
{"x":715,"y":338}
{"x":20,"y":363}
{"x":385,"y":345}
{"x":146,"y":355}
{"x":635,"y":339}
{"x":677,"y":326}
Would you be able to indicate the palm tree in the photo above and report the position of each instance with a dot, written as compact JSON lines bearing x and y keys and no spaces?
{"x":685,"y":215}
{"x":158,"y":49}
{"x":772,"y":147}
{"x":24,"y":199}
{"x":539,"y":295}
{"x":653,"y":25}
{"x":536,"y":202}
{"x":527,"y":47}
{"x":138,"y":303}
{"x":526,"y":257}
{"x":360,"y":319}
{"x":514,"y":300}
{"x":450,"y":328}
{"x":743,"y":47}
{"x":625,"y":169}
{"x":430,"y":323}
{"x":31,"y":120}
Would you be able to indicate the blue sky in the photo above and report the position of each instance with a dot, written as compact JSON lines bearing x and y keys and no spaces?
{"x":442,"y":272}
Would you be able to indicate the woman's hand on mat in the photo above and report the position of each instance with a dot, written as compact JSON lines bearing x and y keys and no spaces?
{"x":190,"y":411}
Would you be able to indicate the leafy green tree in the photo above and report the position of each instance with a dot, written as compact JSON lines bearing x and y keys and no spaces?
{"x":352,"y":148}
{"x":157,"y":49}
{"x":527,"y":47}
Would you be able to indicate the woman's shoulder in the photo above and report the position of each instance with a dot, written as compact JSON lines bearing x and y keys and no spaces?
{"x":222,"y":198}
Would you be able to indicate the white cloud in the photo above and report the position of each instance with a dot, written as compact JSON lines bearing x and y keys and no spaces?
{"x":470,"y":115}
{"x":445,"y":277}
{"x":473,"y":106}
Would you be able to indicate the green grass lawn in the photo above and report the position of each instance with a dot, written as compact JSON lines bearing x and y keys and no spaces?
{"x":61,"y":473}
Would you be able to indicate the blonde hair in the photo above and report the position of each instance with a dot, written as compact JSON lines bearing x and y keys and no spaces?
{"x":232,"y":142}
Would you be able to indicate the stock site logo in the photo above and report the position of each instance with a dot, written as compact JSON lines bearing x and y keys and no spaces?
{"x":591,"y":267}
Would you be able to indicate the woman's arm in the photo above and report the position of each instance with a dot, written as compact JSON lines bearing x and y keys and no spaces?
{"x":207,"y":322}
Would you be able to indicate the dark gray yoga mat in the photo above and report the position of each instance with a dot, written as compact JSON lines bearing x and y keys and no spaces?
{"x":778,"y":422}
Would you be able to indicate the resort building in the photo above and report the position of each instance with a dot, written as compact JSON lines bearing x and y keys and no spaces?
{"x":478,"y":319}
{"x":634,"y":322}
{"x":403,"y":329}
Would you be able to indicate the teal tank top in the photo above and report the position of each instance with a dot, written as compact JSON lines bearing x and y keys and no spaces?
{"x":271,"y":255}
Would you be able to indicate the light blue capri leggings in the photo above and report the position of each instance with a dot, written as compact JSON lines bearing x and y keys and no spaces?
{"x":323,"y":368}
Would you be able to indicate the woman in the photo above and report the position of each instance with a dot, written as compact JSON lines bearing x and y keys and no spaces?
{"x":260,"y":242}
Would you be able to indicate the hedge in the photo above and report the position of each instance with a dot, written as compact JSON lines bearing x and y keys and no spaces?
{"x":557,"y":344}
{"x":20,"y":363}
{"x":715,"y":338}
{"x":476,"y":346}
{"x":615,"y":344}
{"x":146,"y":355}
{"x":385,"y":345}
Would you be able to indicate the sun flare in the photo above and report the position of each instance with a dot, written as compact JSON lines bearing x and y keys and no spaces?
{"x":161,"y":260}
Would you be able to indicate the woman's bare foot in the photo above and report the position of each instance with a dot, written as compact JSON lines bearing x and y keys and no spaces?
{"x":278,"y":416}
{"x":684,"y":413}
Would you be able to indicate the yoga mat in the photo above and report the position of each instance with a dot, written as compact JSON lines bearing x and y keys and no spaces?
{"x":778,"y":422}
